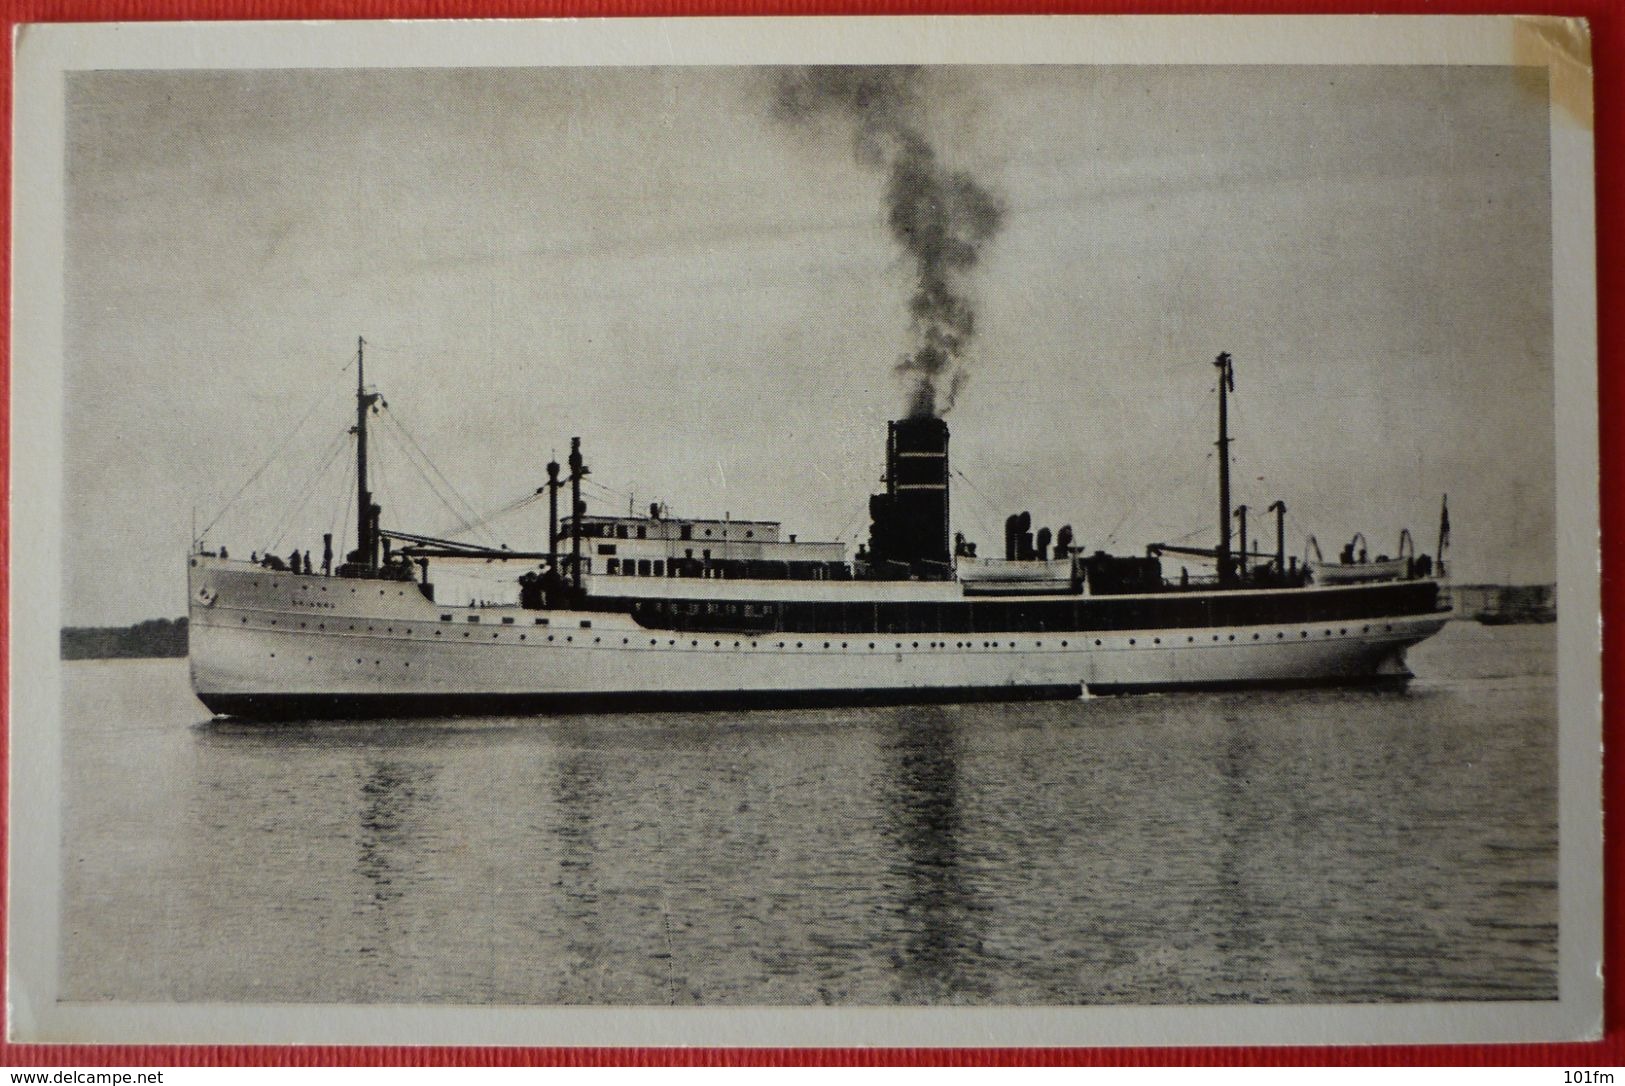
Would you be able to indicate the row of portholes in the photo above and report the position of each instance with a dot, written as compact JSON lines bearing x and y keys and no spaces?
{"x":1279,"y":635}
{"x":1190,"y":640}
{"x":306,"y":588}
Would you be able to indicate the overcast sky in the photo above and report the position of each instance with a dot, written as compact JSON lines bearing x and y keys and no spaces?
{"x":649,"y":258}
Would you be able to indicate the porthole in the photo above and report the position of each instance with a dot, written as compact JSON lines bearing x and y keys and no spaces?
{"x":1063,"y":644}
{"x":1342,"y":632}
{"x":569,"y":638}
{"x":521,"y":636}
{"x":1232,"y":637}
{"x":309,"y":659}
{"x":871,"y":644}
{"x":1131,"y":641}
{"x":694,"y":644}
{"x":798,"y":644}
{"x":1255,"y":637}
{"x":916,"y":644}
{"x":826,"y":644}
{"x":1097,"y":640}
{"x":1156,"y":640}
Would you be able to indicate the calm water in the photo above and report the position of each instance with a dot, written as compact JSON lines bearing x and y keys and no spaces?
{"x":1295,"y":847}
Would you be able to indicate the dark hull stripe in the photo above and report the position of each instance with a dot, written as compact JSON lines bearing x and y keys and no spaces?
{"x":1169,"y":611}
{"x":1367,"y":682}
{"x":374,"y":706}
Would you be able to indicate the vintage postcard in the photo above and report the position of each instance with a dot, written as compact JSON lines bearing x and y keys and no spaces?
{"x":944,"y":531}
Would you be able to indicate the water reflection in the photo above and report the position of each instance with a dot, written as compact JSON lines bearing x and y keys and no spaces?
{"x":925,"y":825}
{"x":395,"y":804}
{"x":578,"y":806}
{"x":1236,"y":894}
{"x":363,"y":735}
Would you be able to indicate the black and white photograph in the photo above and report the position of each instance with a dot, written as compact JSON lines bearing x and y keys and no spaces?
{"x":951,"y":531}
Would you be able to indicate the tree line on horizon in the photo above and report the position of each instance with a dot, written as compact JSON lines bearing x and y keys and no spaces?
{"x":154,"y":637}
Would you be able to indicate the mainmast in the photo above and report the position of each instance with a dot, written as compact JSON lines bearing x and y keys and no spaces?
{"x":553,"y":486}
{"x":366,"y":544}
{"x":1227,"y":384}
{"x":578,"y":509}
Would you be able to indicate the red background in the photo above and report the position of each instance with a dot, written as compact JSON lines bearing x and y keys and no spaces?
{"x":1608,"y":52}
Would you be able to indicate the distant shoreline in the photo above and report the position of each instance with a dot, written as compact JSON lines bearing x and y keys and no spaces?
{"x":156,"y":637}
{"x":1505,"y":605}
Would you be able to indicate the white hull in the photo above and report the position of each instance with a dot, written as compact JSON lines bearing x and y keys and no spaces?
{"x":267,"y":643}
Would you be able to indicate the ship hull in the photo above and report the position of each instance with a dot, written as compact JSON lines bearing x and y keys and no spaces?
{"x":274,"y":645}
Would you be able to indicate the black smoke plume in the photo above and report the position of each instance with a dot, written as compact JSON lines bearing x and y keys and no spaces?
{"x":940,"y":217}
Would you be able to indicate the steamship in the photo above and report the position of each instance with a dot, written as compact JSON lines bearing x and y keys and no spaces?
{"x":661,"y":611}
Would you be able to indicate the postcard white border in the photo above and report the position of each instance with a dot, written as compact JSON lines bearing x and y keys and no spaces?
{"x":45,"y":53}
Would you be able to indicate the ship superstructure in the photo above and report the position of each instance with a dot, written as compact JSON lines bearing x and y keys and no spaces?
{"x":651,"y":610}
